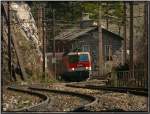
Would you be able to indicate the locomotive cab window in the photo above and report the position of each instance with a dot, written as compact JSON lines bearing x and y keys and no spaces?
{"x":77,"y":58}
{"x":83,"y":57}
{"x":73,"y":58}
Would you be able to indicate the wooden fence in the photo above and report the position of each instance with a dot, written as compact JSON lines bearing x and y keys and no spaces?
{"x":134,"y":79}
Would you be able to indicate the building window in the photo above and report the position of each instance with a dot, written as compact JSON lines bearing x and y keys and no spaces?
{"x":85,"y":48}
{"x":108,"y":52}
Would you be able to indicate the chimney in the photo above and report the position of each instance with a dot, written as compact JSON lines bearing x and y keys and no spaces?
{"x":86,"y":21}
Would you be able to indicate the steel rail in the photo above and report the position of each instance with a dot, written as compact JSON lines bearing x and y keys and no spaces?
{"x":135,"y":91}
{"x":32,"y":91}
{"x":81,"y":95}
{"x":44,"y":103}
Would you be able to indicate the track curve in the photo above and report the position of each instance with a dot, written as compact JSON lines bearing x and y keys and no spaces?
{"x":34,"y":107}
{"x":47,"y":100}
{"x":135,"y":91}
{"x":90,"y":98}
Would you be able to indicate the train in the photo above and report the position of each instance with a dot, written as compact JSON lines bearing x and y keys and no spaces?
{"x":72,"y":66}
{"x":76,"y":66}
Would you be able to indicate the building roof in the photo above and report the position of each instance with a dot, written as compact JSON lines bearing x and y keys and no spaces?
{"x":76,"y":32}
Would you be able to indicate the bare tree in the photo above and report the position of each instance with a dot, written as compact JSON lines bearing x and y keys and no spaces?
{"x":100,"y":41}
{"x":9,"y":41}
{"x":124,"y":27}
{"x":43,"y":37}
{"x":146,"y":38}
{"x":131,"y":38}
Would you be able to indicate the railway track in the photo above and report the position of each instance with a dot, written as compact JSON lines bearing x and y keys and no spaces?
{"x":78,"y":100}
{"x":66,"y":97}
{"x":135,"y":91}
{"x":55,"y":100}
{"x":116,"y":99}
{"x":45,"y":98}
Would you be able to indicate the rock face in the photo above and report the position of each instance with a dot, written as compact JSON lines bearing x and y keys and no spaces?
{"x":27,"y":39}
{"x":23,"y":16}
{"x":25,"y":36}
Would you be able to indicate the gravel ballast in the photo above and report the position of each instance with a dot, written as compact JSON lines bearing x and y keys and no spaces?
{"x":111,"y":101}
{"x":108,"y":101}
{"x":13,"y":100}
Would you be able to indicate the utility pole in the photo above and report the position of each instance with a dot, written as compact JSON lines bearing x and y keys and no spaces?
{"x":107,"y":15}
{"x":100,"y":42}
{"x":124,"y":28}
{"x":9,"y":41}
{"x":43,"y":38}
{"x":39,"y":21}
{"x":2,"y":48}
{"x":146,"y":38}
{"x":54,"y":55}
{"x":131,"y":39}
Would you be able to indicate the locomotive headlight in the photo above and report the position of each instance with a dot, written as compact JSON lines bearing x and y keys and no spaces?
{"x":72,"y":69}
{"x":88,"y":68}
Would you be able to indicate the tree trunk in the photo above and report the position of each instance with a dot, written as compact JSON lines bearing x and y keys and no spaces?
{"x":43,"y":38}
{"x":54,"y":56}
{"x":9,"y":41}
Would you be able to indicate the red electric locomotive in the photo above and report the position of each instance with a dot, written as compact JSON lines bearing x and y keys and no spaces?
{"x":76,"y":66}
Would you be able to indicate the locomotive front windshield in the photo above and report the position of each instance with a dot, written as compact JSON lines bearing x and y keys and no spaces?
{"x":77,"y":58}
{"x":83,"y":57}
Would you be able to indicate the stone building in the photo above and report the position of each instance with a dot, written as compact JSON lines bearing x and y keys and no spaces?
{"x":85,"y":37}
